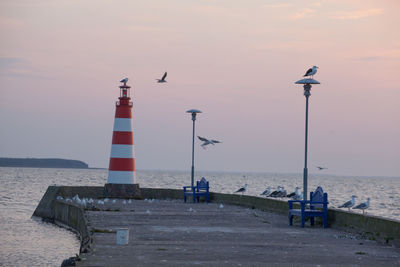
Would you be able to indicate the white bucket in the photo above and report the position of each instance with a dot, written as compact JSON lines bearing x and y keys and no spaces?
{"x":122,"y":236}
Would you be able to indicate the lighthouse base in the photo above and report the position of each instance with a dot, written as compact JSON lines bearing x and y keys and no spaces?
{"x":122,"y":190}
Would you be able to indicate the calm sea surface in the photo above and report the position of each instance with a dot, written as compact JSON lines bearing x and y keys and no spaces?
{"x":26,"y":241}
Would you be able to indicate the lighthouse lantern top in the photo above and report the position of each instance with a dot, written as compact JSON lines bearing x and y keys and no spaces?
{"x":124,"y":89}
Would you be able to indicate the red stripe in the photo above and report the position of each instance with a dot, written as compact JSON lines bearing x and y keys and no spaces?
{"x":122,"y":164}
{"x":123,"y":112}
{"x":122,"y":138}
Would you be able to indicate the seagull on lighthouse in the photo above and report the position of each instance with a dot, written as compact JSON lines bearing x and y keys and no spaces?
{"x":207,"y":142}
{"x":311,"y":72}
{"x":124,"y":80}
{"x":349,"y":203}
{"x":162,"y":80}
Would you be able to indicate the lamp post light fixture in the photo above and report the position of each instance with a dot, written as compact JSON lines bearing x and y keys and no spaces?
{"x":194,"y":113}
{"x":307,"y":92}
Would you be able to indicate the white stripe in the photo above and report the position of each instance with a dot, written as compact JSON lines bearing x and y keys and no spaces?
{"x":122,"y":151}
{"x":120,"y":177}
{"x":122,"y":125}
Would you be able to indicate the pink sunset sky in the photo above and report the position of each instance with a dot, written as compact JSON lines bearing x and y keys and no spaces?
{"x":237,"y":61}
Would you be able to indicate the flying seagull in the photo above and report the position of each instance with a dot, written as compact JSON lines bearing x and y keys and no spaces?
{"x":242,"y":189}
{"x":349,"y":203}
{"x":162,"y":80}
{"x":363,"y":206}
{"x":321,"y":168}
{"x":207,"y":142}
{"x":311,"y":72}
{"x":124,"y":80}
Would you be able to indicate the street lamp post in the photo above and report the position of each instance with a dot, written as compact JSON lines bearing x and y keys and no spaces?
{"x":194,"y":113}
{"x":307,"y":92}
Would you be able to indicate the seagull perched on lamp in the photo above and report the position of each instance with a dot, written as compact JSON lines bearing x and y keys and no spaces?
{"x":207,"y":142}
{"x":162,"y":80}
{"x":311,"y":72}
{"x":124,"y":80}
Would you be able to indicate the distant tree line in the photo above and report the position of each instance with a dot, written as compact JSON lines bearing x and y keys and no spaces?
{"x":42,"y":163}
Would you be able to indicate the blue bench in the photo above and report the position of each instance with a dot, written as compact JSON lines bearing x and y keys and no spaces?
{"x":202,"y":189}
{"x":317,"y":206}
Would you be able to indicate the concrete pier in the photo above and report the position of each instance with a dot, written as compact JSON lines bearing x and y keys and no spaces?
{"x":172,"y":233}
{"x":244,"y":231}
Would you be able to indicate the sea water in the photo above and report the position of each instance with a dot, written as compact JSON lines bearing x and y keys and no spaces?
{"x":27,"y":241}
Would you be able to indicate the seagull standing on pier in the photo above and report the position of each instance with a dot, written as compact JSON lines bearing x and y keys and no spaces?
{"x":207,"y":142}
{"x":295,"y":193}
{"x":162,"y":80}
{"x":242,"y":189}
{"x":311,"y":72}
{"x":266,"y":192}
{"x":282,"y":192}
{"x":349,"y":203}
{"x":299,"y":196}
{"x":276,"y":192}
{"x":363,"y":206}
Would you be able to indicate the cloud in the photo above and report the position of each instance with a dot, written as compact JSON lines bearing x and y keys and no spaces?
{"x":276,"y":5}
{"x":218,"y":11}
{"x":317,"y":3}
{"x":10,"y":23}
{"x":141,"y":28}
{"x":302,"y":13}
{"x":287,"y":45}
{"x":390,"y":53}
{"x":359,"y":14}
{"x":9,"y":62}
{"x":17,"y":67}
{"x":369,"y":58}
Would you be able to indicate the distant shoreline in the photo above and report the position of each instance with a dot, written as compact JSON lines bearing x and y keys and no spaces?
{"x":43,"y":163}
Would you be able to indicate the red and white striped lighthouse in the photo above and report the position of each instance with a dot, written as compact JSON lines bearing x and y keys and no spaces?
{"x":122,"y":156}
